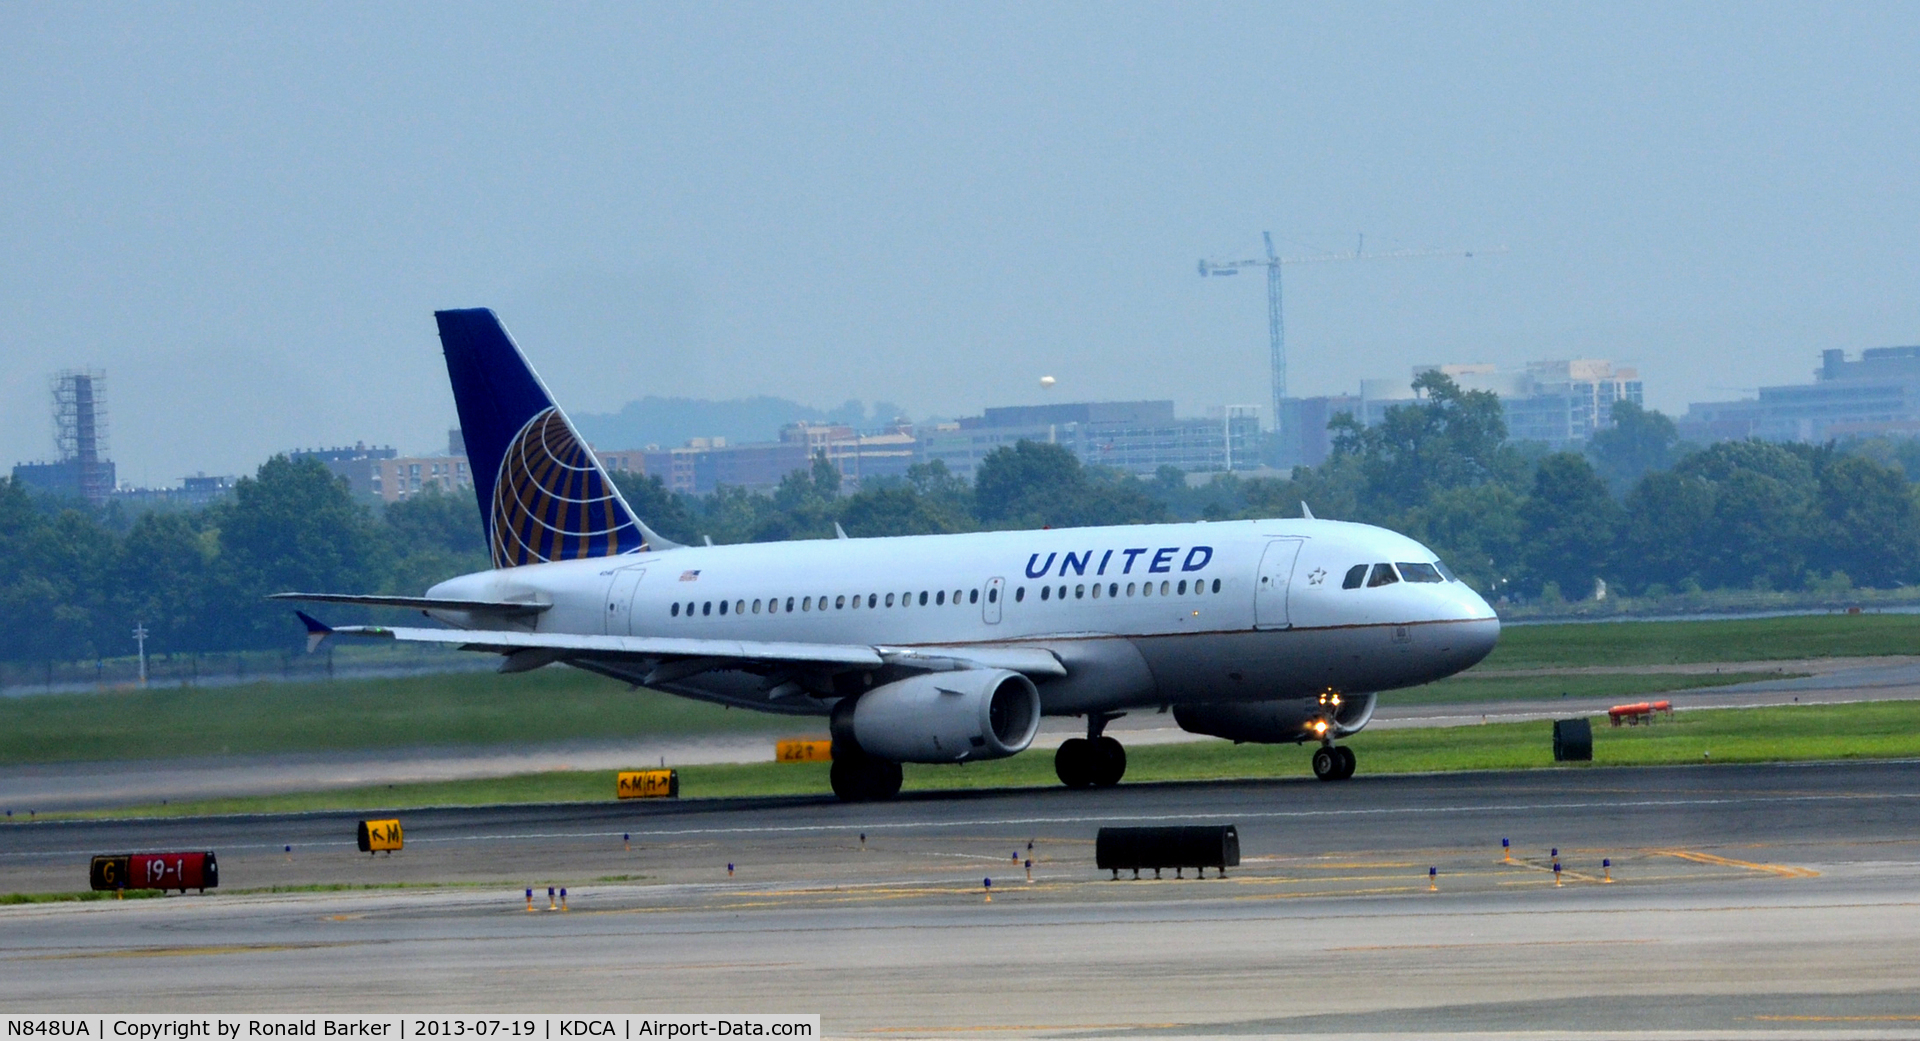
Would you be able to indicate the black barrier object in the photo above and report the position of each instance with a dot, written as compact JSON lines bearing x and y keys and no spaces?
{"x":1572,"y":741}
{"x":1183,"y":846}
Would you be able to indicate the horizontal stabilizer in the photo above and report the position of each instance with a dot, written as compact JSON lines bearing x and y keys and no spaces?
{"x":421,"y":603}
{"x":317,"y":630}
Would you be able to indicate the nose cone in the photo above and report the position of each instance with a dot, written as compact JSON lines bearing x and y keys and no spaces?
{"x":1473,"y":628}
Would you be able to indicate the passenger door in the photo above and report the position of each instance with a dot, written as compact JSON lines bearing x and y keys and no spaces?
{"x":620,"y":594}
{"x":990,"y":608}
{"x":1276,"y":574}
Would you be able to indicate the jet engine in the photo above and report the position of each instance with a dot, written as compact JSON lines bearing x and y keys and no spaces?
{"x":944,"y":717}
{"x":1278,"y":722}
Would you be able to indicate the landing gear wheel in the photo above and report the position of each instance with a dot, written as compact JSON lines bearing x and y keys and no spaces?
{"x":1346,"y":761}
{"x":865,"y":779}
{"x":1109,"y":762}
{"x":1326,"y":763}
{"x":1075,"y":762}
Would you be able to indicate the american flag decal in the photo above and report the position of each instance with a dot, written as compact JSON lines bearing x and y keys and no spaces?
{"x":689,"y":576}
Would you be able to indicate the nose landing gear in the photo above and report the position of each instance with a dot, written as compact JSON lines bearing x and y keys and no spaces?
{"x":1094,"y":761}
{"x":1333,"y":762}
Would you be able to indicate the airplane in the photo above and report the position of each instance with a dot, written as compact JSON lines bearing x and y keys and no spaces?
{"x":931,"y":648}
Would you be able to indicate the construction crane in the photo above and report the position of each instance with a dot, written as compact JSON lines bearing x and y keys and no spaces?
{"x":1276,"y":328}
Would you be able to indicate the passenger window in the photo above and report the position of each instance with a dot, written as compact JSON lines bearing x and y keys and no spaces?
{"x":807,"y":604}
{"x":973,"y":596}
{"x":956,"y":597}
{"x":923,"y":598}
{"x":739,"y":607}
{"x":789,"y":605}
{"x":1019,"y":594}
{"x":1382,"y":576}
{"x":1129,"y":588}
{"x":940,"y":598}
{"x":676,"y":610}
{"x":1216,"y":585}
{"x":839,"y":603}
{"x":889,"y":599}
{"x":1080,"y":592}
{"x":1420,"y":572}
{"x":1163,"y":588}
{"x":1146,"y":589}
{"x":1183,"y":587}
{"x":706,"y":608}
{"x":1355,"y":576}
{"x":1063,"y":592}
{"x":1046,"y":592}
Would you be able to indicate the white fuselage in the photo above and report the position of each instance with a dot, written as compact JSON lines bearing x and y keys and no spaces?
{"x":1141,"y":615}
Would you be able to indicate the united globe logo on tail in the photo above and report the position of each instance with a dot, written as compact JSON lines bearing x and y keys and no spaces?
{"x":551,"y":501}
{"x":542,"y":495}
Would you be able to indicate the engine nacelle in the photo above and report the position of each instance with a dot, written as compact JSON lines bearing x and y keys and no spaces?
{"x":1277,"y":722}
{"x":945,"y":717}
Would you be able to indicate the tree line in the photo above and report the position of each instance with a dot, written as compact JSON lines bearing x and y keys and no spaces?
{"x":1637,"y":509}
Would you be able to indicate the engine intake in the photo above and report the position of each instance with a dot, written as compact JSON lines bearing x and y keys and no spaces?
{"x":945,"y":717}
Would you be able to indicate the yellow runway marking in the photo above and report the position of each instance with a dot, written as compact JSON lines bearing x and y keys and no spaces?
{"x":1707,"y":858}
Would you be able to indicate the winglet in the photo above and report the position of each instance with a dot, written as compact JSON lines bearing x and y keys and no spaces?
{"x":1305,"y":513}
{"x":838,"y":531}
{"x":317,"y":630}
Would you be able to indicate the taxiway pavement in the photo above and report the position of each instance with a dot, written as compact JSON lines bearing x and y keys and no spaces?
{"x":1781,"y":901}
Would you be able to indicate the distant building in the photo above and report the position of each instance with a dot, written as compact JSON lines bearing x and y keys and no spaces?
{"x":1304,"y":438}
{"x":1139,"y":437}
{"x":1561,"y":403}
{"x":193,"y":492}
{"x":82,"y":470}
{"x":1878,"y":394}
{"x":358,"y":463}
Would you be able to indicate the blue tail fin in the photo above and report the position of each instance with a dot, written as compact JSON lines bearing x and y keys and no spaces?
{"x":543,"y":496}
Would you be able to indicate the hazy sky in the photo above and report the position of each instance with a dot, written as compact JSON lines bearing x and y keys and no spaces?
{"x":247,"y":214}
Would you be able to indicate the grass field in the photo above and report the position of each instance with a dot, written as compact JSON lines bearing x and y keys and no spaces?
{"x":1664,"y":643}
{"x":484,"y":708}
{"x":1869,"y":730}
{"x":560,"y":704}
{"x":1475,"y":687}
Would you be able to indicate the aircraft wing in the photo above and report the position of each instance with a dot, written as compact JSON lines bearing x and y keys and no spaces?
{"x":423,"y":603}
{"x":529,"y":650}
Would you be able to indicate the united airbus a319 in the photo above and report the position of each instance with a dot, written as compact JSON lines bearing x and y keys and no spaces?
{"x":932,"y":648}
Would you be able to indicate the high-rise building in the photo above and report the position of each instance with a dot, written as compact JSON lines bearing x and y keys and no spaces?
{"x":82,"y":469}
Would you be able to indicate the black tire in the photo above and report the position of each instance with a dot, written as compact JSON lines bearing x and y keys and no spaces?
{"x":1109,"y":762}
{"x":1074,"y":762}
{"x":1347,"y":761}
{"x":1326,"y":764}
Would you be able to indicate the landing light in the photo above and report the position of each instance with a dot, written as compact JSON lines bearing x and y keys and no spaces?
{"x":1319,"y":726}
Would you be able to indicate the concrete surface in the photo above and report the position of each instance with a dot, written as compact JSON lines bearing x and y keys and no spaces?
{"x":1777,"y":901}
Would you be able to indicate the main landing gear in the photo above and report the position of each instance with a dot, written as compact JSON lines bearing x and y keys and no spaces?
{"x":1333,"y":762}
{"x":1094,"y":761}
{"x":858,"y":777}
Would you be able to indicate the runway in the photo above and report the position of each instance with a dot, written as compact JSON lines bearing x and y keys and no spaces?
{"x":1775,"y":900}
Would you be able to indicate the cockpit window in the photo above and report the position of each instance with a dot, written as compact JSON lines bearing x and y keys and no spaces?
{"x":1420,"y":572}
{"x":1441,"y":566}
{"x":1355,"y":575}
{"x":1382,"y":576}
